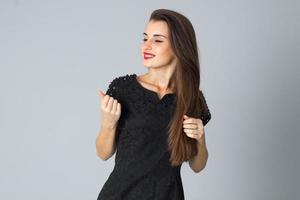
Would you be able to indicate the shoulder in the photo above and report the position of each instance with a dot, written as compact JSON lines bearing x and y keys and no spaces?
{"x":118,"y":84}
{"x":122,"y":79}
{"x":205,"y":112}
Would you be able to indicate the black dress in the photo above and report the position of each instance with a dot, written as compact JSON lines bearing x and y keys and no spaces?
{"x":142,"y":170}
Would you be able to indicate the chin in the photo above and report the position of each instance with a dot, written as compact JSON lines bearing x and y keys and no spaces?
{"x":147,"y":64}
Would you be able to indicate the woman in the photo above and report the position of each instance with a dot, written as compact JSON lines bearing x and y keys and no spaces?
{"x":155,"y":121}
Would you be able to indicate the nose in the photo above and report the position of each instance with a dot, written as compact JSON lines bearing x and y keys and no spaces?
{"x":147,"y":44}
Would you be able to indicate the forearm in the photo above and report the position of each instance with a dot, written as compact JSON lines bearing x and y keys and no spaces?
{"x":105,"y":142}
{"x":198,"y":162}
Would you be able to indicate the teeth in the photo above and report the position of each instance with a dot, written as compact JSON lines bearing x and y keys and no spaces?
{"x":149,"y":56}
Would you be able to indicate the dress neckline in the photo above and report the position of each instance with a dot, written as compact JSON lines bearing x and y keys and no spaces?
{"x":151,"y":91}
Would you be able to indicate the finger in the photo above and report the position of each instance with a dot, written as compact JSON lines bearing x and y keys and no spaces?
{"x":187,"y":126}
{"x":191,"y":131}
{"x":190,"y":135}
{"x":191,"y":126}
{"x":105,"y":101}
{"x":110,"y":103}
{"x":189,"y":120}
{"x":114,"y":107}
{"x":118,"y":109}
{"x":193,"y":135}
{"x":101,"y":94}
{"x":201,"y":122}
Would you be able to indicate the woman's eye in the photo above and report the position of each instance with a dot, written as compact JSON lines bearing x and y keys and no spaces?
{"x":154,"y":40}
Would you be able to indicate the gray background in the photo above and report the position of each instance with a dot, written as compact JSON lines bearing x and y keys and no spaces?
{"x":55,"y":55}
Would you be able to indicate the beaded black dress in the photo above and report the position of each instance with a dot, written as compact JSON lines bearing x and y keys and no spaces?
{"x":142,"y":170}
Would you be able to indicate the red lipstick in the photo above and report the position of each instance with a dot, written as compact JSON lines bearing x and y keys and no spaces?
{"x":148,"y":55}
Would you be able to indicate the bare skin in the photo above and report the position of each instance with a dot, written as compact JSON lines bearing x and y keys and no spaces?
{"x":162,"y":65}
{"x":111,"y":112}
{"x":193,"y":127}
{"x":160,"y":68}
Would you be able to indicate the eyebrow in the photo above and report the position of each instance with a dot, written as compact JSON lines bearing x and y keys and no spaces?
{"x":156,"y":35}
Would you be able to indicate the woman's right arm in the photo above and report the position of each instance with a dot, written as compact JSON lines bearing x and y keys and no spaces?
{"x":111,"y":112}
{"x":105,"y":142}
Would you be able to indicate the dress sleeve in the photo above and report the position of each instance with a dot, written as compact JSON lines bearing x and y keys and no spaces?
{"x":113,"y":88}
{"x":205,"y":113}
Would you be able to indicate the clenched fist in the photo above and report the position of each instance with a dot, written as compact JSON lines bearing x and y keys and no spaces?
{"x":110,"y":110}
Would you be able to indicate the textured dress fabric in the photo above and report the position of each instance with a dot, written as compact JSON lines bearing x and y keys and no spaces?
{"x":142,"y":170}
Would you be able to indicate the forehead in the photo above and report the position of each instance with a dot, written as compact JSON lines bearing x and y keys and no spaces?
{"x":157,"y":27}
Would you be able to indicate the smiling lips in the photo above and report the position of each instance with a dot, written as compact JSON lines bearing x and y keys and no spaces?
{"x":148,"y":55}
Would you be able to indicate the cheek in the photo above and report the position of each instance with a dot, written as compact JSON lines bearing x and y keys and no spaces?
{"x":166,"y":52}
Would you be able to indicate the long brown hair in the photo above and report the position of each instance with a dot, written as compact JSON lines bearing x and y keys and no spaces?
{"x":185,"y":81}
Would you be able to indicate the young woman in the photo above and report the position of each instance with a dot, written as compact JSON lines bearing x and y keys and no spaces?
{"x":155,"y":121}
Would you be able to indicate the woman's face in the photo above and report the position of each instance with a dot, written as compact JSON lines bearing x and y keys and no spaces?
{"x":156,"y":43}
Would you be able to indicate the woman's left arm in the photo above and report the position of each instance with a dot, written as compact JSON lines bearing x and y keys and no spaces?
{"x":193,"y":127}
{"x":198,"y":162}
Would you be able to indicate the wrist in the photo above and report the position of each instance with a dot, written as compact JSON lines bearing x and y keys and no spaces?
{"x":201,"y":141}
{"x":108,"y":127}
